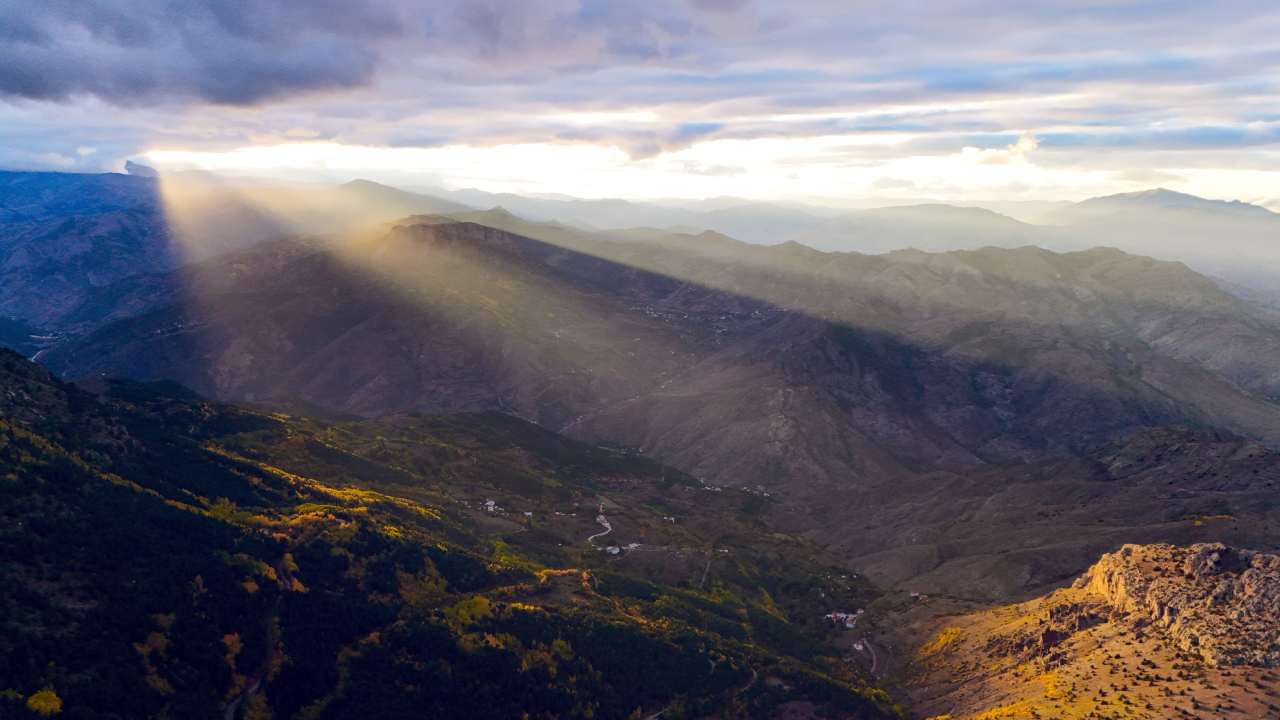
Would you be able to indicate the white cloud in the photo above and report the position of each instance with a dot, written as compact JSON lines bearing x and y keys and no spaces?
{"x":828,"y":168}
{"x":764,"y":99}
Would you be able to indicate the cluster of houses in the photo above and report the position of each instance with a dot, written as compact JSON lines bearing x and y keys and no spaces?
{"x":847,"y":619}
{"x":491,"y":506}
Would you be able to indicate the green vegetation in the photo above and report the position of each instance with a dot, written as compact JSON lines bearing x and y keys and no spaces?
{"x":165,"y":557}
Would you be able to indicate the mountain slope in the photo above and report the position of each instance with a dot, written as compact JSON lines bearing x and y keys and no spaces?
{"x":34,"y":196}
{"x":1159,"y":198}
{"x":1233,"y":240}
{"x":1010,"y":531}
{"x":164,"y":557}
{"x":601,"y":335}
{"x":903,"y":384}
{"x":1150,"y":631}
{"x":64,"y":236}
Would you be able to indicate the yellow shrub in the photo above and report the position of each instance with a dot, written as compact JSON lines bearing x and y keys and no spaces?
{"x":45,"y":702}
{"x":940,"y":642}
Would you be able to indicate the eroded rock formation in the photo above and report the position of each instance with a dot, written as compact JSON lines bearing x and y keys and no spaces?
{"x":1218,"y":602}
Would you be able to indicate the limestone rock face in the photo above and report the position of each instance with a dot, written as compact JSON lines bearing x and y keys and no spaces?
{"x":1218,"y":602}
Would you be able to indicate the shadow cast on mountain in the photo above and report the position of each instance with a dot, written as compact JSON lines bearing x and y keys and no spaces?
{"x":873,"y":440}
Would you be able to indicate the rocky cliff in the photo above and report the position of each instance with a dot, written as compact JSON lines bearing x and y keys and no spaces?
{"x":1149,"y":631}
{"x":1218,"y":602}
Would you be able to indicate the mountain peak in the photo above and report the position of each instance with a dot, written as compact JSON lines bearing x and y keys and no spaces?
{"x":363,"y":183}
{"x":497,"y":211}
{"x":1170,"y":199}
{"x":139,"y":170}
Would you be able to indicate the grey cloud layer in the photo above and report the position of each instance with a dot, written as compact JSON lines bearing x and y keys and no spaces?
{"x":131,"y":51}
{"x":1160,"y":75}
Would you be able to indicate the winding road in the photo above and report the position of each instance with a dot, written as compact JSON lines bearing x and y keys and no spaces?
{"x":604,"y":522}
{"x":875,"y":660}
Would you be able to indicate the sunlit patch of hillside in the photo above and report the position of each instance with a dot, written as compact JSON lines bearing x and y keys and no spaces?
{"x":1069,"y":656}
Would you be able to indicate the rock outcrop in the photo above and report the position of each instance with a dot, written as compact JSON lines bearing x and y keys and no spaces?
{"x":1217,"y":602}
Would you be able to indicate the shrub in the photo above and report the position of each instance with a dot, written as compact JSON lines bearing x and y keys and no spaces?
{"x":45,"y":703}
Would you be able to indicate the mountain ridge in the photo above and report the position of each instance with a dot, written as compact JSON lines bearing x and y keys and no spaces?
{"x":960,"y":371}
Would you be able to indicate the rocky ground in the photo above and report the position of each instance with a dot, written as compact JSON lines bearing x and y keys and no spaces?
{"x":1217,"y":602}
{"x":1150,"y":631}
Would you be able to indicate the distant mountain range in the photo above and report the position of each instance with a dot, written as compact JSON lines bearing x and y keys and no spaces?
{"x":1147,"y":200}
{"x":932,"y":228}
{"x":943,"y":409}
{"x":813,"y":374}
{"x":825,"y":378}
{"x":70,"y":231}
{"x":1230,"y":240}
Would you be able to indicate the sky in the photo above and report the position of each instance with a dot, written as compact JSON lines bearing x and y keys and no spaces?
{"x":824,"y":101}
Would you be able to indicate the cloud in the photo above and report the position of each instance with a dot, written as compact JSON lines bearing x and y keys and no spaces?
{"x":1016,"y":152}
{"x":890,"y":183}
{"x":719,"y":6}
{"x":697,"y":168}
{"x":1097,"y":88}
{"x":133,"y":51}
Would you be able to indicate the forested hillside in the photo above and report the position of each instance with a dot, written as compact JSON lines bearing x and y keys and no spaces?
{"x":167,"y":557}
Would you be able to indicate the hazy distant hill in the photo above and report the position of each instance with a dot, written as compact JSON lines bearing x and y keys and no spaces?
{"x":1237,"y":241}
{"x":1111,"y":206}
{"x":753,"y":222}
{"x":380,"y":202}
{"x":933,"y":228}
